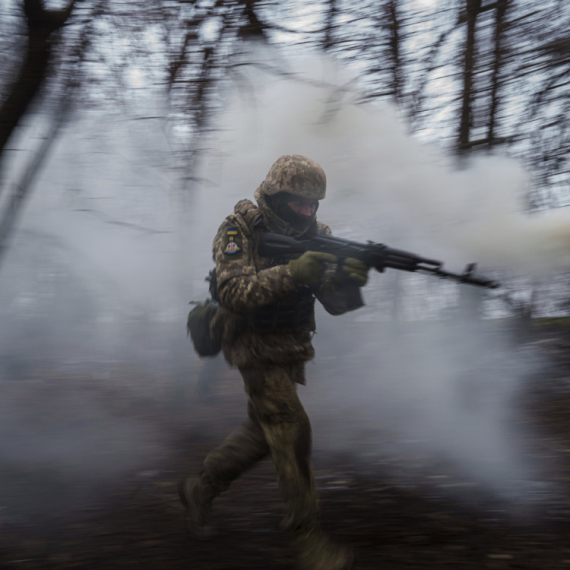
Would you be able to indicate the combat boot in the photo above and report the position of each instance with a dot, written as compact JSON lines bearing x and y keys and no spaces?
{"x":318,"y":552}
{"x":197,"y":503}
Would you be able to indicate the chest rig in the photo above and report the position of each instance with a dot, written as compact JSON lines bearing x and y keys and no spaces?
{"x":292,"y":314}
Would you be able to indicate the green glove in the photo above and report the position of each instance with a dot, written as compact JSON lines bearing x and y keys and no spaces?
{"x":309,"y":268}
{"x":357,"y":270}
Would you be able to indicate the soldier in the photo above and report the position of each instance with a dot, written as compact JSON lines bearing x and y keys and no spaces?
{"x":267,"y":320}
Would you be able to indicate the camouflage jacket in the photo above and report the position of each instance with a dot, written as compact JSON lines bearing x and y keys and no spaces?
{"x":250,"y":285}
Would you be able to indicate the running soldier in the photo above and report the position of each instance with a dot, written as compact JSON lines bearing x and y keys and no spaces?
{"x":267,"y":320}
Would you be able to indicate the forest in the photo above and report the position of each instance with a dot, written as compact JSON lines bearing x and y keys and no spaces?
{"x":128,"y":132}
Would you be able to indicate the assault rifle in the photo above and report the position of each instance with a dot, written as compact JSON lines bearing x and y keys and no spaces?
{"x":376,"y":255}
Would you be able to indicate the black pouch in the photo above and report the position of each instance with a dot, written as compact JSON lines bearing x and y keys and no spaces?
{"x":198,"y":327}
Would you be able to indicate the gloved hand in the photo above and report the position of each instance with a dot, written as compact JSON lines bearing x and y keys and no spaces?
{"x":309,"y":268}
{"x":357,"y":270}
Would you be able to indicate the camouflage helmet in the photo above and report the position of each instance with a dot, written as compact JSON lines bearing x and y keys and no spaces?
{"x":297,"y":175}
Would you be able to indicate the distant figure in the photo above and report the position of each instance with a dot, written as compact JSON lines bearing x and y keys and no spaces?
{"x":267,"y":311}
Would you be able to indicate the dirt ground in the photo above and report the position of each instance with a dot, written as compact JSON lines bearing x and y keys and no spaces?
{"x":130,"y":516}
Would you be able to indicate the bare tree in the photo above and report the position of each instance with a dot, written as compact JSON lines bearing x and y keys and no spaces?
{"x":395,"y":59}
{"x":329,"y":24}
{"x":472,"y":10}
{"x":42,"y":26}
{"x":499,"y":54}
{"x":33,"y":75}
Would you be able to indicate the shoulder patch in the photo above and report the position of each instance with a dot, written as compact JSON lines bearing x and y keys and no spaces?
{"x":233,"y":241}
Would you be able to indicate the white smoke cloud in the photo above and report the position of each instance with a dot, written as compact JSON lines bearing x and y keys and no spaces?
{"x":448,"y":387}
{"x":379,"y":176}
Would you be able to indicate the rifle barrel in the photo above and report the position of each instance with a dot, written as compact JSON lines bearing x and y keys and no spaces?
{"x":461,"y":278}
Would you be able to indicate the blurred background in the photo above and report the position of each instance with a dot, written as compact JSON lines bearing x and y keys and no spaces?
{"x":128,"y":131}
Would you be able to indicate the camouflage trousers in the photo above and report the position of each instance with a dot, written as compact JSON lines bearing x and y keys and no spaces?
{"x":278,"y":426}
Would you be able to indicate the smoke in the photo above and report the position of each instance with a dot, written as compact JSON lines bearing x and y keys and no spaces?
{"x":109,"y":254}
{"x":93,"y":296}
{"x":425,"y":401}
{"x":58,"y":456}
{"x":441,"y":386}
{"x":380,"y":179}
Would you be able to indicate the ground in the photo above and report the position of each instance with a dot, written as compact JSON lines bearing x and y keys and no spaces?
{"x":118,"y":511}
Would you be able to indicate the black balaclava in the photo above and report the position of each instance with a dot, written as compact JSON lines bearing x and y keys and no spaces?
{"x":279,"y":204}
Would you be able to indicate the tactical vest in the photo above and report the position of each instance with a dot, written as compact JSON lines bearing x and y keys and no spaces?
{"x":294,"y":313}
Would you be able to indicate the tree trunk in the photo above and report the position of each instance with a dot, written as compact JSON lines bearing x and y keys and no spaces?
{"x":473,"y":9}
{"x":21,"y":190}
{"x":42,"y":24}
{"x":328,"y":41}
{"x":498,"y":58}
{"x":394,"y":43}
{"x":254,"y":28}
